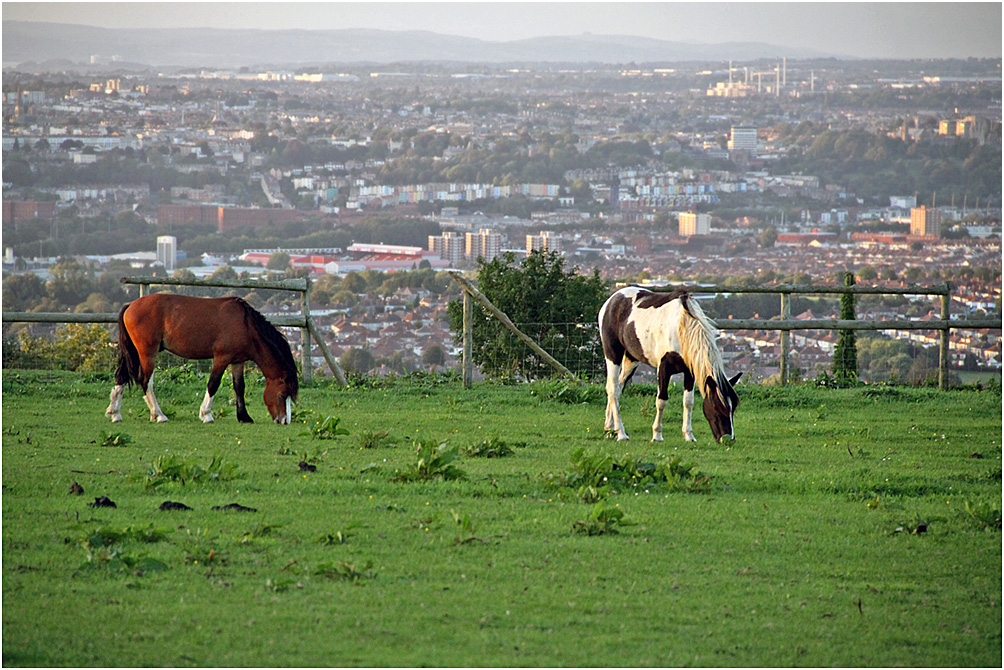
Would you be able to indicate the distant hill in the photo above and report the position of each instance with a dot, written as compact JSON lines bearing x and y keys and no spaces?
{"x":210,"y":47}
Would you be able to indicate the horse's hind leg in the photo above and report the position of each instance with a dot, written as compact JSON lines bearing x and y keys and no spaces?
{"x":156,"y":414}
{"x":237,"y":372}
{"x":115,"y":406}
{"x":617,"y":375}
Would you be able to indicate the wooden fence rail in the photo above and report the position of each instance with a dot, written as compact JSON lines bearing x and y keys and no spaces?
{"x":303,"y":321}
{"x":784,"y":324}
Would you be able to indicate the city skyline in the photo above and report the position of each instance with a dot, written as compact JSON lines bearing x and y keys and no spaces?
{"x":854,"y":30}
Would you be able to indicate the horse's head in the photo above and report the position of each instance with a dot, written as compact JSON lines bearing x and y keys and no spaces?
{"x":279,"y":399}
{"x":720,"y":405}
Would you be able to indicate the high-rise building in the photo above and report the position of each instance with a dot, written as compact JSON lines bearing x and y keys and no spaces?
{"x":449,"y":246}
{"x":545,"y":240}
{"x":924,"y":221}
{"x":692,"y":223}
{"x":484,"y":244}
{"x":167,"y":252}
{"x":743,"y":139}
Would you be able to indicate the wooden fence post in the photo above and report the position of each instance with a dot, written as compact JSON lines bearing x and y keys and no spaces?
{"x":468,"y":362}
{"x":333,"y":365}
{"x":307,"y":363}
{"x":943,"y":354}
{"x":785,"y":337}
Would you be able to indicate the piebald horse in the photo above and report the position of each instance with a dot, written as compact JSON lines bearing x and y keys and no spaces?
{"x":227,"y":330}
{"x":670,"y":332}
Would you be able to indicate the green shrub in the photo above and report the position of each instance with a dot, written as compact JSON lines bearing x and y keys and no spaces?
{"x":435,"y":461}
{"x":595,"y":475}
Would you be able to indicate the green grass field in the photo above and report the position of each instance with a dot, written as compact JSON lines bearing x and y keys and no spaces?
{"x":852,"y":527}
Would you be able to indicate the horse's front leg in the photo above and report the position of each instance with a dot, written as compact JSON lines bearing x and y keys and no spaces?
{"x":215,"y":377}
{"x":661,"y":399}
{"x":688,"y":407}
{"x":237,"y":372}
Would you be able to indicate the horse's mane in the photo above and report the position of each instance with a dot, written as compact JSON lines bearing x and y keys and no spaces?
{"x":698,"y":335}
{"x":276,"y":343}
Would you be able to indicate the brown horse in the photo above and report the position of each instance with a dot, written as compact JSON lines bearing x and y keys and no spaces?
{"x":227,"y":330}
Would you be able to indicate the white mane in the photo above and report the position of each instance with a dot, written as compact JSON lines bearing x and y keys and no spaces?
{"x":698,"y":335}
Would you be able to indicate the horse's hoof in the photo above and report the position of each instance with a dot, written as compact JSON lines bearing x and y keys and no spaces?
{"x":160,"y":419}
{"x":689,"y":438}
{"x":116,"y":418}
{"x":623,"y":438}
{"x":657,"y":437}
{"x":207,"y":418}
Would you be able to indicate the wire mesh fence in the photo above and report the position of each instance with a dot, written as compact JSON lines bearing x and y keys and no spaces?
{"x":575,"y":345}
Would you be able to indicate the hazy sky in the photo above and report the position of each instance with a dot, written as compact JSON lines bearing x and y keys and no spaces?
{"x":863,"y":29}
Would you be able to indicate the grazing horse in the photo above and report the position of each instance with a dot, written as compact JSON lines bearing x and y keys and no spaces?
{"x":227,"y":330}
{"x":670,"y":332}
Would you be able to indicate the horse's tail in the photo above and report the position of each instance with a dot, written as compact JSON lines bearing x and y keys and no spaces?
{"x":129,"y":368}
{"x":698,"y":335}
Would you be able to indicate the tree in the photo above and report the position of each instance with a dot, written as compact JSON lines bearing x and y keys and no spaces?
{"x":434,"y":355}
{"x":845,"y":354}
{"x":767,"y":237}
{"x":70,"y":283}
{"x":354,"y":283}
{"x":22,"y":292}
{"x":547,"y":302}
{"x":357,"y":360}
{"x":224,"y":273}
{"x":279,"y":261}
{"x":867,"y":273}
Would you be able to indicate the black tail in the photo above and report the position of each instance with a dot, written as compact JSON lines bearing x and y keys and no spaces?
{"x":128,"y":370}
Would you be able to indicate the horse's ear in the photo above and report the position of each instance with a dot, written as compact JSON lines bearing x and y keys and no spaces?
{"x":732,"y":382}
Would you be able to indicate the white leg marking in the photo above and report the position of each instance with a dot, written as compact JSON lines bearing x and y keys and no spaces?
{"x":151,"y":401}
{"x":616,"y":374}
{"x":206,"y":410}
{"x":611,"y":420}
{"x":688,"y":411}
{"x":660,"y":405}
{"x":289,"y":411}
{"x":115,"y":406}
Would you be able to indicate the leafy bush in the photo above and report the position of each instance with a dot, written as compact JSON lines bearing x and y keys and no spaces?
{"x":344,"y":571}
{"x":434,"y":461}
{"x":602,"y":520}
{"x":327,"y":429}
{"x":539,"y":290}
{"x":103,"y":549}
{"x":984,"y":515}
{"x":76,"y":347}
{"x":493,"y":447}
{"x":114,"y":439}
{"x":567,"y":392}
{"x":373,"y":439}
{"x":169,"y":468}
{"x":595,"y":475}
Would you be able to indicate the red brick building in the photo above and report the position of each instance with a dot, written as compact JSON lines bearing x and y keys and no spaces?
{"x":18,"y":211}
{"x":224,"y":218}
